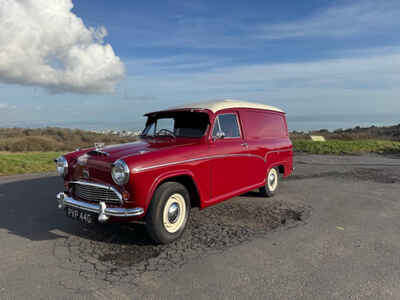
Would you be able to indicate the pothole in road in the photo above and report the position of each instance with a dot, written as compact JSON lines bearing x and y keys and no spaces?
{"x":121,"y":253}
{"x":379,"y":175}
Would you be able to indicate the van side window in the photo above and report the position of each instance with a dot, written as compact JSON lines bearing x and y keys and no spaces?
{"x":228,"y":124}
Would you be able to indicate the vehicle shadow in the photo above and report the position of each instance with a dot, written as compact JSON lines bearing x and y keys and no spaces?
{"x":253,"y":194}
{"x":29,"y":210}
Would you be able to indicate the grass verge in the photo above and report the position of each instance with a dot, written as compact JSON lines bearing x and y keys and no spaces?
{"x":346,"y":147}
{"x":39,"y":162}
{"x":27,"y":162}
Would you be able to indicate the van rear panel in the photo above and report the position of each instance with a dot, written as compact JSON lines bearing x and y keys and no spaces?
{"x":262,"y":124}
{"x":266,"y":133}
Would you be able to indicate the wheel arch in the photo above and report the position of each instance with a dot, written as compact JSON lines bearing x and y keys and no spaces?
{"x":281,"y":168}
{"x":184,"y":177}
{"x":274,"y":160}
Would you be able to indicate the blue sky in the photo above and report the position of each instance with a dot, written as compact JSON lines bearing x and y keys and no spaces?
{"x":308,"y":57}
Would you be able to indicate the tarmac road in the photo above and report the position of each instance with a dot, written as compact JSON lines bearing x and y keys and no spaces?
{"x":332,"y":232}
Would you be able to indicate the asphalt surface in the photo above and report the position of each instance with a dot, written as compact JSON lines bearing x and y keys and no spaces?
{"x":332,"y":232}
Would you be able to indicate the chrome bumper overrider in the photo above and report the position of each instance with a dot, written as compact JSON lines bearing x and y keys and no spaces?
{"x":104,"y":212}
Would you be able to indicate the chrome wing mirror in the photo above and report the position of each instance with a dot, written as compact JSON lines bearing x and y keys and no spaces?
{"x":220,"y":135}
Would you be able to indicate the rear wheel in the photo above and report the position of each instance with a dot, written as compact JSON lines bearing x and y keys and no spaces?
{"x":168,"y":212}
{"x":271,"y":184}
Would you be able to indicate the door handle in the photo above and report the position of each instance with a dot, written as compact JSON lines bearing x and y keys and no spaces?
{"x":244,"y":144}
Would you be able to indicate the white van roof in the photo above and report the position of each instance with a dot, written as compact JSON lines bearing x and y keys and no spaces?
{"x":217,"y":105}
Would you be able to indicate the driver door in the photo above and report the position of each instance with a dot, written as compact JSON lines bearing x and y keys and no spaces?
{"x":229,"y":151}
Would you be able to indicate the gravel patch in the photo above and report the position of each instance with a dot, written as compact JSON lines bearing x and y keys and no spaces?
{"x":379,"y":175}
{"x":121,"y":253}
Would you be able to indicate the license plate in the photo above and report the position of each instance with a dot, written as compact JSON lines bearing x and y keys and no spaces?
{"x":80,"y":215}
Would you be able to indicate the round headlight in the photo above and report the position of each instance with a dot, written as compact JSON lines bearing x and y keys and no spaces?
{"x":120,"y":172}
{"x":62,"y":166}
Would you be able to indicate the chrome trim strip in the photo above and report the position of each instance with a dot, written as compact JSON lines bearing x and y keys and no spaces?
{"x":102,"y":186}
{"x":103,"y":211}
{"x":281,"y":150}
{"x":136,"y":170}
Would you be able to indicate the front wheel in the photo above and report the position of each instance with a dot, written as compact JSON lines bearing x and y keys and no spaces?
{"x":168,"y":212}
{"x":272,"y":182}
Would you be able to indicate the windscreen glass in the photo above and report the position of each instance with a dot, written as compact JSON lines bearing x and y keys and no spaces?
{"x":177,"y":124}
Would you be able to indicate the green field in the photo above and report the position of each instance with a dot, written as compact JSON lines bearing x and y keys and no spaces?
{"x":27,"y":162}
{"x":347,"y":147}
{"x":39,"y":162}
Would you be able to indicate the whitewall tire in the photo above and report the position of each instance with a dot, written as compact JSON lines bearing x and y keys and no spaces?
{"x":271,"y":183}
{"x":168,"y":212}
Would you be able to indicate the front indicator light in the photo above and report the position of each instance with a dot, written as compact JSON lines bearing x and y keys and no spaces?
{"x":125,"y":195}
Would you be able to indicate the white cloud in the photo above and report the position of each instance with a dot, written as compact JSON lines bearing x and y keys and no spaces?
{"x":177,"y":63}
{"x":43,"y":43}
{"x":250,"y":29}
{"x":7,"y":106}
{"x":368,"y":83}
{"x":352,"y":18}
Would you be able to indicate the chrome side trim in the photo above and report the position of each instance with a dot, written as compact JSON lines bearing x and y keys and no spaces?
{"x":103,"y":186}
{"x":140,"y":169}
{"x":277,"y":151}
{"x":101,"y":209}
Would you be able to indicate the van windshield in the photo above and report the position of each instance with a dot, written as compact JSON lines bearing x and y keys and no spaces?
{"x":176,"y":124}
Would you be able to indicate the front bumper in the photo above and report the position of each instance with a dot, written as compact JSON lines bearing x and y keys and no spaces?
{"x":101,"y":209}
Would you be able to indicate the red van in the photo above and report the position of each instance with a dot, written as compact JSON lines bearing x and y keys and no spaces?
{"x":194,"y":155}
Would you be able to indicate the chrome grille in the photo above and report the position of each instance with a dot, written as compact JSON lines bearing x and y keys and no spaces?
{"x":95,"y":192}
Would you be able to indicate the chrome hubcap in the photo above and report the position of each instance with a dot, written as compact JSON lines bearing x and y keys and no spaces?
{"x":271,"y":179}
{"x":173,"y":213}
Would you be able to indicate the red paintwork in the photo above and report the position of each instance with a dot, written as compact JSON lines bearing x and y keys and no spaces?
{"x":220,"y":169}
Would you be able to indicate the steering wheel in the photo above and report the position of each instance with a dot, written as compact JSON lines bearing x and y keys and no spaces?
{"x":166,"y":132}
